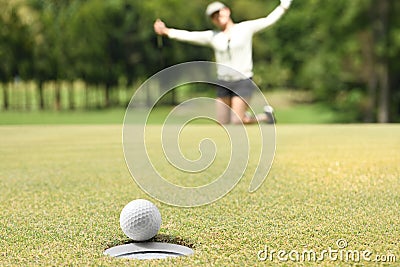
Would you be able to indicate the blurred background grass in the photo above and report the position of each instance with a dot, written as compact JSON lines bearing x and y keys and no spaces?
{"x":290,"y":107}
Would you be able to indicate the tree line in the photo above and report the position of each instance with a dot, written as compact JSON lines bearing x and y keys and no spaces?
{"x":345,"y":52}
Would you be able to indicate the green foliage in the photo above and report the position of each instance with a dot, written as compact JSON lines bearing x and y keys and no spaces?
{"x":14,"y":43}
{"x":332,"y":48}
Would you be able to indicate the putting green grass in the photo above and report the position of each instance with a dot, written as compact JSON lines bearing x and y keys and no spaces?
{"x":62,"y":189}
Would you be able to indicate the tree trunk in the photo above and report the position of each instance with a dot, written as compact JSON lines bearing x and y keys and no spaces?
{"x":57,"y":96}
{"x":107,"y":96}
{"x":5,"y":97}
{"x":384,"y":94}
{"x":371,"y":105}
{"x":41,"y":95}
{"x":369,"y":75}
{"x":71,"y":96}
{"x":26,"y":96}
{"x":86,"y":92}
{"x":381,"y":32}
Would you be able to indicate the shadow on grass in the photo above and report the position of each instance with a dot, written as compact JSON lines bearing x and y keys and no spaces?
{"x":158,"y":238}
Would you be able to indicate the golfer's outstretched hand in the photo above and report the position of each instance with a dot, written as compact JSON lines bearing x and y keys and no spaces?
{"x":160,"y":28}
{"x":286,"y":3}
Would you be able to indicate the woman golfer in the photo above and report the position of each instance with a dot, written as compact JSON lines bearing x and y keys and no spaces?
{"x":232,"y":45}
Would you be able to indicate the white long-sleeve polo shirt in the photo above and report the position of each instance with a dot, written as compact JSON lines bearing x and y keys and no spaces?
{"x":233,"y":50}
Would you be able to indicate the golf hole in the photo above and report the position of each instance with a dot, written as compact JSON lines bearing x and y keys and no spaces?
{"x":148,"y":251}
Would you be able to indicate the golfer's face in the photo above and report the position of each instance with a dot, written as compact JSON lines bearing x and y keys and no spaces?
{"x":221,"y":17}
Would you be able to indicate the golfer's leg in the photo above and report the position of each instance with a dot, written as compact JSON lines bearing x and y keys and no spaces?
{"x":239,"y":106}
{"x":223,"y":110}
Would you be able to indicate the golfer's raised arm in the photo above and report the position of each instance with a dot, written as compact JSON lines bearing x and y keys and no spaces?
{"x":195,"y":37}
{"x":274,"y":16}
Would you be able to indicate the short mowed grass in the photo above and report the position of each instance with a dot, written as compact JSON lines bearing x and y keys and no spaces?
{"x":62,"y":189}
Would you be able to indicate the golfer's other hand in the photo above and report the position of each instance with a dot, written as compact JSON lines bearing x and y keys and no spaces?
{"x":160,"y":28}
{"x":286,"y":3}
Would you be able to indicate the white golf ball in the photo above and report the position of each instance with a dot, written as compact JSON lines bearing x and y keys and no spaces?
{"x":140,"y":220}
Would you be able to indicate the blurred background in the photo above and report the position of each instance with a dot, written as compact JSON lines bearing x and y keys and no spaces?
{"x":324,"y":61}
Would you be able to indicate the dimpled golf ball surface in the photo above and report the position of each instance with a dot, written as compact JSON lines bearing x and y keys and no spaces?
{"x":140,"y":220}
